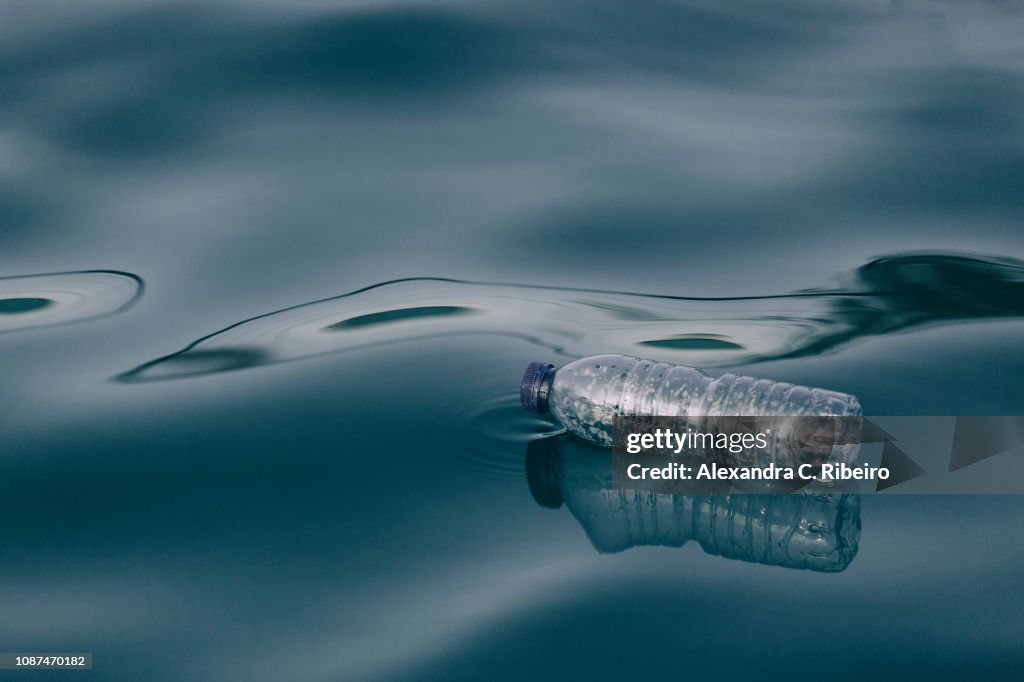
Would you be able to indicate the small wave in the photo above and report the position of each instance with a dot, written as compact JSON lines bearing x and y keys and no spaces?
{"x":61,"y":298}
{"x":496,"y":433}
{"x":884,"y":296}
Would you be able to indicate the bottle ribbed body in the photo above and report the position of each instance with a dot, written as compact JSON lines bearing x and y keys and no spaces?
{"x":586,"y":395}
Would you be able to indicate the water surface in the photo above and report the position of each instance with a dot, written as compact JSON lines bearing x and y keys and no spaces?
{"x":270,"y":272}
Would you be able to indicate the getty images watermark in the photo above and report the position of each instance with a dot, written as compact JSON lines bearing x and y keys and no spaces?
{"x":789,"y":454}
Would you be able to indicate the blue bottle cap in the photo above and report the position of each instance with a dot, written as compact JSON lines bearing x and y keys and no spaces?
{"x":536,"y":384}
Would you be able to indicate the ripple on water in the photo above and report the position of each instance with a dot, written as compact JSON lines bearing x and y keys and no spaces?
{"x":886,"y":295}
{"x":568,"y":322}
{"x":495,"y":434}
{"x":60,"y":298}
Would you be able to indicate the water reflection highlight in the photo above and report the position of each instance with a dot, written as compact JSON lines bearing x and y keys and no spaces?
{"x":813,"y":532}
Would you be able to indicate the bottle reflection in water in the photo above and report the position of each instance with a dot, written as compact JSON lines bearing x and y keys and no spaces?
{"x":813,"y":532}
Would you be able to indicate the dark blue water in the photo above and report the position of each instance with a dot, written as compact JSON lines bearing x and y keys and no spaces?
{"x":271,"y":272}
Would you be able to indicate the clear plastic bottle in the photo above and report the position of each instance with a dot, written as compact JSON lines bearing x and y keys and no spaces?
{"x":585,"y":395}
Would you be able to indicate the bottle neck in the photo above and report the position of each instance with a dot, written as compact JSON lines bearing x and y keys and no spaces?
{"x":544,"y":389}
{"x":535,"y":388}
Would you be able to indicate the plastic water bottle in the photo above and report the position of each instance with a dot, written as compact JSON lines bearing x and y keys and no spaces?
{"x":810,"y":532}
{"x":585,"y":395}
